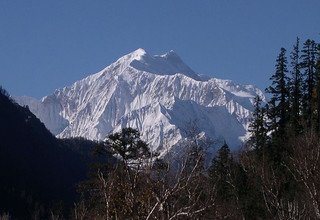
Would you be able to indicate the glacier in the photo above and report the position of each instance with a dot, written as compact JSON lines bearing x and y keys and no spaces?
{"x":159,"y":95}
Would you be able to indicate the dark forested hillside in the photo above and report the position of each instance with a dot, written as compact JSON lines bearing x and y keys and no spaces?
{"x":38,"y":172}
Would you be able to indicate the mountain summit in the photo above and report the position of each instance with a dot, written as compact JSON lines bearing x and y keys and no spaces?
{"x":158,"y":95}
{"x":167,"y":64}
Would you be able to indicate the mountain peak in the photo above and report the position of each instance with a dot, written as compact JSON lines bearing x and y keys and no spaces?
{"x":159,"y":95}
{"x":138,"y":53}
{"x":167,"y":64}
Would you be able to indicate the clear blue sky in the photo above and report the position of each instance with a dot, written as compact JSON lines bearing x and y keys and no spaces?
{"x":46,"y":45}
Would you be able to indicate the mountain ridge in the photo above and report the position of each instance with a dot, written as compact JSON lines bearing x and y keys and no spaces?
{"x":149,"y":93}
{"x":37,"y":170}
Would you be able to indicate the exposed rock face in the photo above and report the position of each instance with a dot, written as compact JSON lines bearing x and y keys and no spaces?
{"x":158,"y":95}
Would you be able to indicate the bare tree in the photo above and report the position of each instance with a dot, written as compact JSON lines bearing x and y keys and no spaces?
{"x":182,"y":190}
{"x":304,"y":165}
{"x":175,"y":187}
{"x":270,"y":183}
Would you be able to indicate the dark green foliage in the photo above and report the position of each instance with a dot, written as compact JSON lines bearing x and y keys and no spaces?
{"x":278,"y":114}
{"x":220,"y":171}
{"x":295,"y":89}
{"x":224,"y":176}
{"x":234,"y":188}
{"x":317,"y":74}
{"x":279,"y":102}
{"x":126,"y":144}
{"x":308,"y":57}
{"x":258,"y":126}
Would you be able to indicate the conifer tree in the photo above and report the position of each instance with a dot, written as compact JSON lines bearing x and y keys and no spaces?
{"x":295,"y":89}
{"x":309,"y":86}
{"x":279,"y":102}
{"x":231,"y":187}
{"x":258,"y":127}
{"x":317,"y":69}
{"x":127,"y":145}
{"x":219,"y":172}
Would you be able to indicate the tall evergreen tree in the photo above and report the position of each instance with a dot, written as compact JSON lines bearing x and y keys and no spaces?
{"x":220,"y":171}
{"x":317,"y":69}
{"x":279,"y":102}
{"x":295,"y":89}
{"x":258,"y":126}
{"x":308,"y":65}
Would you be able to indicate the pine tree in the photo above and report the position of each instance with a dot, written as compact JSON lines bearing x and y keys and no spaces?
{"x":230,"y":182}
{"x":309,"y":86}
{"x":279,"y":102}
{"x":219,"y":172}
{"x":127,"y":145}
{"x":317,"y":70}
{"x":258,"y":126}
{"x":295,"y":89}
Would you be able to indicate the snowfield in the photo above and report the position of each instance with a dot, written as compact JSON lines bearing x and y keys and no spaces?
{"x":158,"y":95}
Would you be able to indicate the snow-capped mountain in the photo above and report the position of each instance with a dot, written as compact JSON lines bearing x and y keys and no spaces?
{"x":158,"y":95}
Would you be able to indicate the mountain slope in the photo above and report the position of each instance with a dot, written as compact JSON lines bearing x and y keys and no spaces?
{"x":158,"y":95}
{"x":37,"y":170}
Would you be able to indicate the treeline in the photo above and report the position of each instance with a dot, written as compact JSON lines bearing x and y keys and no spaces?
{"x":294,"y":106}
{"x":285,"y":141}
{"x":275,"y":176}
